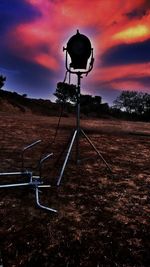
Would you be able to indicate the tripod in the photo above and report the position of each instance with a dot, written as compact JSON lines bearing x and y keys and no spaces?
{"x":76,"y":135}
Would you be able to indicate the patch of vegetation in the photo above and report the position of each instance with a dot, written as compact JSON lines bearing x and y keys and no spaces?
{"x":24,"y":104}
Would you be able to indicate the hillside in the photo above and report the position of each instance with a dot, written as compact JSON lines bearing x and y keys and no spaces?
{"x":12,"y":102}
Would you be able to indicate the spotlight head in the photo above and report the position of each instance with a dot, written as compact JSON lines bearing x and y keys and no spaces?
{"x":79,"y":49}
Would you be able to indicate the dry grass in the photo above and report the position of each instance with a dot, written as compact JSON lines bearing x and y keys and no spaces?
{"x":102,"y":220}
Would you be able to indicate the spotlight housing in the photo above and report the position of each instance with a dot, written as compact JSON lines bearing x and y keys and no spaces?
{"x":79,"y":48}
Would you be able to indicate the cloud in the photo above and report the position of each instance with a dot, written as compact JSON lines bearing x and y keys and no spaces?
{"x":127,"y":54}
{"x":140,"y":12}
{"x":137,"y":13}
{"x":144,"y":81}
{"x":133,"y":33}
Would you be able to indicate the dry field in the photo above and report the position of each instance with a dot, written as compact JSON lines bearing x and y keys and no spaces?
{"x":102,"y":219}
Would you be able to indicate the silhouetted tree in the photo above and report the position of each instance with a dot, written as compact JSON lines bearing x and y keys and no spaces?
{"x":126,"y":101}
{"x":133,"y":102}
{"x":146,"y":102}
{"x":2,"y":81}
{"x":92,"y":104}
{"x":97,"y":100}
{"x":91,"y":100}
{"x":86,"y":100}
{"x":65,"y":93}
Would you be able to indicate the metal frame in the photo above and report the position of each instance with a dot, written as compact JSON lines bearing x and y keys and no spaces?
{"x":34,"y":182}
{"x":78,"y":130}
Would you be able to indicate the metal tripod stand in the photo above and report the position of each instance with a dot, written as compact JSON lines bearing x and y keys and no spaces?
{"x":76,"y":136}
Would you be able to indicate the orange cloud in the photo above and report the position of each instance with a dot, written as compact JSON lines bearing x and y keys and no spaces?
{"x":122,"y":77}
{"x":47,"y":61}
{"x":133,"y":33}
{"x":130,"y":86}
{"x":117,"y":72}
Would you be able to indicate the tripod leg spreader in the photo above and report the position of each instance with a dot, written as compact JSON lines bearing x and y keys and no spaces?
{"x":38,"y":201}
{"x":34,"y":182}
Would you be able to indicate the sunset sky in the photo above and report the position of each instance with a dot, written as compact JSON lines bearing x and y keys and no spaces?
{"x":33,"y":33}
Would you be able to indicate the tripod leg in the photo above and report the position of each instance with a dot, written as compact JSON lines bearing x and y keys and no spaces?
{"x":99,"y":154}
{"x":67,"y":157}
{"x":63,"y":152}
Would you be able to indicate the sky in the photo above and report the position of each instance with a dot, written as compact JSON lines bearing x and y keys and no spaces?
{"x":34,"y":32}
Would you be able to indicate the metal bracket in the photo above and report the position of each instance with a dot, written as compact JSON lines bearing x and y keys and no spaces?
{"x":34,"y":181}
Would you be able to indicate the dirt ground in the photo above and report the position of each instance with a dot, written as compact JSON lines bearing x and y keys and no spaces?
{"x":103,"y":219}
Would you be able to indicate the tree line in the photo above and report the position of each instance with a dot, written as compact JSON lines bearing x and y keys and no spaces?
{"x":90,"y":105}
{"x":128,"y":105}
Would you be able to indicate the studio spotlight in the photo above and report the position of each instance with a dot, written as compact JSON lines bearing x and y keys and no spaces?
{"x":81,"y":62}
{"x":80,"y":52}
{"x":79,"y":48}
